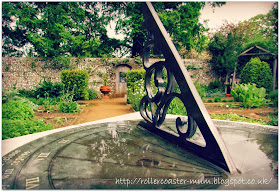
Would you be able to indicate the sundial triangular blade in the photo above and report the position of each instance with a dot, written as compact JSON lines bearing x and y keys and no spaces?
{"x":153,"y":107}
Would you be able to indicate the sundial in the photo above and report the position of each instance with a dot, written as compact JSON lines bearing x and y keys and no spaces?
{"x":123,"y":155}
{"x":98,"y":156}
{"x":190,"y":152}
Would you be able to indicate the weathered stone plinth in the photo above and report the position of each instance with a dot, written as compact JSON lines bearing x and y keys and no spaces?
{"x":123,"y":155}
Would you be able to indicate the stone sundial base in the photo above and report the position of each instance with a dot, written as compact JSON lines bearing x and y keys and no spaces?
{"x":118,"y":155}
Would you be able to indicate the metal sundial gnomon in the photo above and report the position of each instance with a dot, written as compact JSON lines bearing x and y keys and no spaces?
{"x":154,"y":106}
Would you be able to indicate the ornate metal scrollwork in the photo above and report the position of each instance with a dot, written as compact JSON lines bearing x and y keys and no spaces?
{"x":154,"y":106}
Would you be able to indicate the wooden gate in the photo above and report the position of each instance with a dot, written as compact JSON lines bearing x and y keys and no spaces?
{"x":121,"y":71}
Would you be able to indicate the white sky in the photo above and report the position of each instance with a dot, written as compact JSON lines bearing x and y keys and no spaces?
{"x":233,"y":11}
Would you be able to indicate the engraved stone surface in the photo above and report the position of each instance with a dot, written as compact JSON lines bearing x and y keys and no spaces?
{"x":124,"y":155}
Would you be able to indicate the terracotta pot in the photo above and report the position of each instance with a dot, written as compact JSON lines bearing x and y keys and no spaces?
{"x":228,"y":95}
{"x":105,"y":90}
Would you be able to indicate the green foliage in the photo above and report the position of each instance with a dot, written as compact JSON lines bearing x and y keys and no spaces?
{"x":17,"y":120}
{"x":17,"y":110}
{"x":10,"y":95}
{"x":189,"y":34}
{"x":49,"y":88}
{"x":215,"y":85}
{"x":273,"y":119}
{"x":59,"y":62}
{"x":55,"y":29}
{"x":92,"y":94}
{"x":49,"y":103}
{"x":76,"y":81}
{"x":134,"y":75}
{"x":232,"y":39}
{"x":177,"y":107}
{"x":67,"y":105}
{"x":191,"y":67}
{"x":257,"y":72}
{"x":13,"y":95}
{"x":217,"y":99}
{"x":273,"y":95}
{"x":138,"y":60}
{"x":200,"y":89}
{"x":235,"y":117}
{"x":27,"y":93}
{"x":180,"y":20}
{"x":135,"y":92}
{"x":260,"y":30}
{"x":225,"y":48}
{"x":215,"y":89}
{"x":249,"y":95}
{"x":105,"y":80}
{"x":16,"y":127}
{"x":210,"y":101}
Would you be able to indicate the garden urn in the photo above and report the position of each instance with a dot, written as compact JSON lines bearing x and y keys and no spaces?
{"x":105,"y":89}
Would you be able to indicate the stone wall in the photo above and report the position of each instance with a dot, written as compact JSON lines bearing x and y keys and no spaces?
{"x":26,"y":72}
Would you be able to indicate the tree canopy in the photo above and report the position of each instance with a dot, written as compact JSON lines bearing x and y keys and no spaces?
{"x":232,"y":39}
{"x":52,"y":29}
{"x":181,"y":20}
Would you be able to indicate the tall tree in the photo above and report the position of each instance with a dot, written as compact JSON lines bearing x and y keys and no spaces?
{"x":53,"y":29}
{"x":232,"y":39}
{"x":179,"y":18}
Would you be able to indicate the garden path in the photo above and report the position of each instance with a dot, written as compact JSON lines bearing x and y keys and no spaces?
{"x":101,"y":109}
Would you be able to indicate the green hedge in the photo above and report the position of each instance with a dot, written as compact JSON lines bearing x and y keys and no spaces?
{"x":76,"y":81}
{"x":135,"y":75}
{"x":258,"y":72}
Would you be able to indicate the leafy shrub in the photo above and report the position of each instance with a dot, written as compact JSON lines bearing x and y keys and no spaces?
{"x":200,"y":89}
{"x":47,"y":87}
{"x":67,"y":105}
{"x":249,"y":95}
{"x":177,"y":107}
{"x":27,"y":93}
{"x":17,"y":120}
{"x":13,"y":95}
{"x":92,"y":94}
{"x":258,"y":72}
{"x":215,"y":85}
{"x":273,"y":95}
{"x":135,"y":92}
{"x":76,"y":81}
{"x":134,"y":75}
{"x":217,"y":99}
{"x":47,"y":104}
{"x":17,"y":110}
{"x":40,"y":101}
{"x":10,"y":95}
{"x":210,"y":101}
{"x":16,"y":127}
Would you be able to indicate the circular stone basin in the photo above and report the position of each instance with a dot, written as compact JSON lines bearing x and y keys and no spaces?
{"x":124,"y":155}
